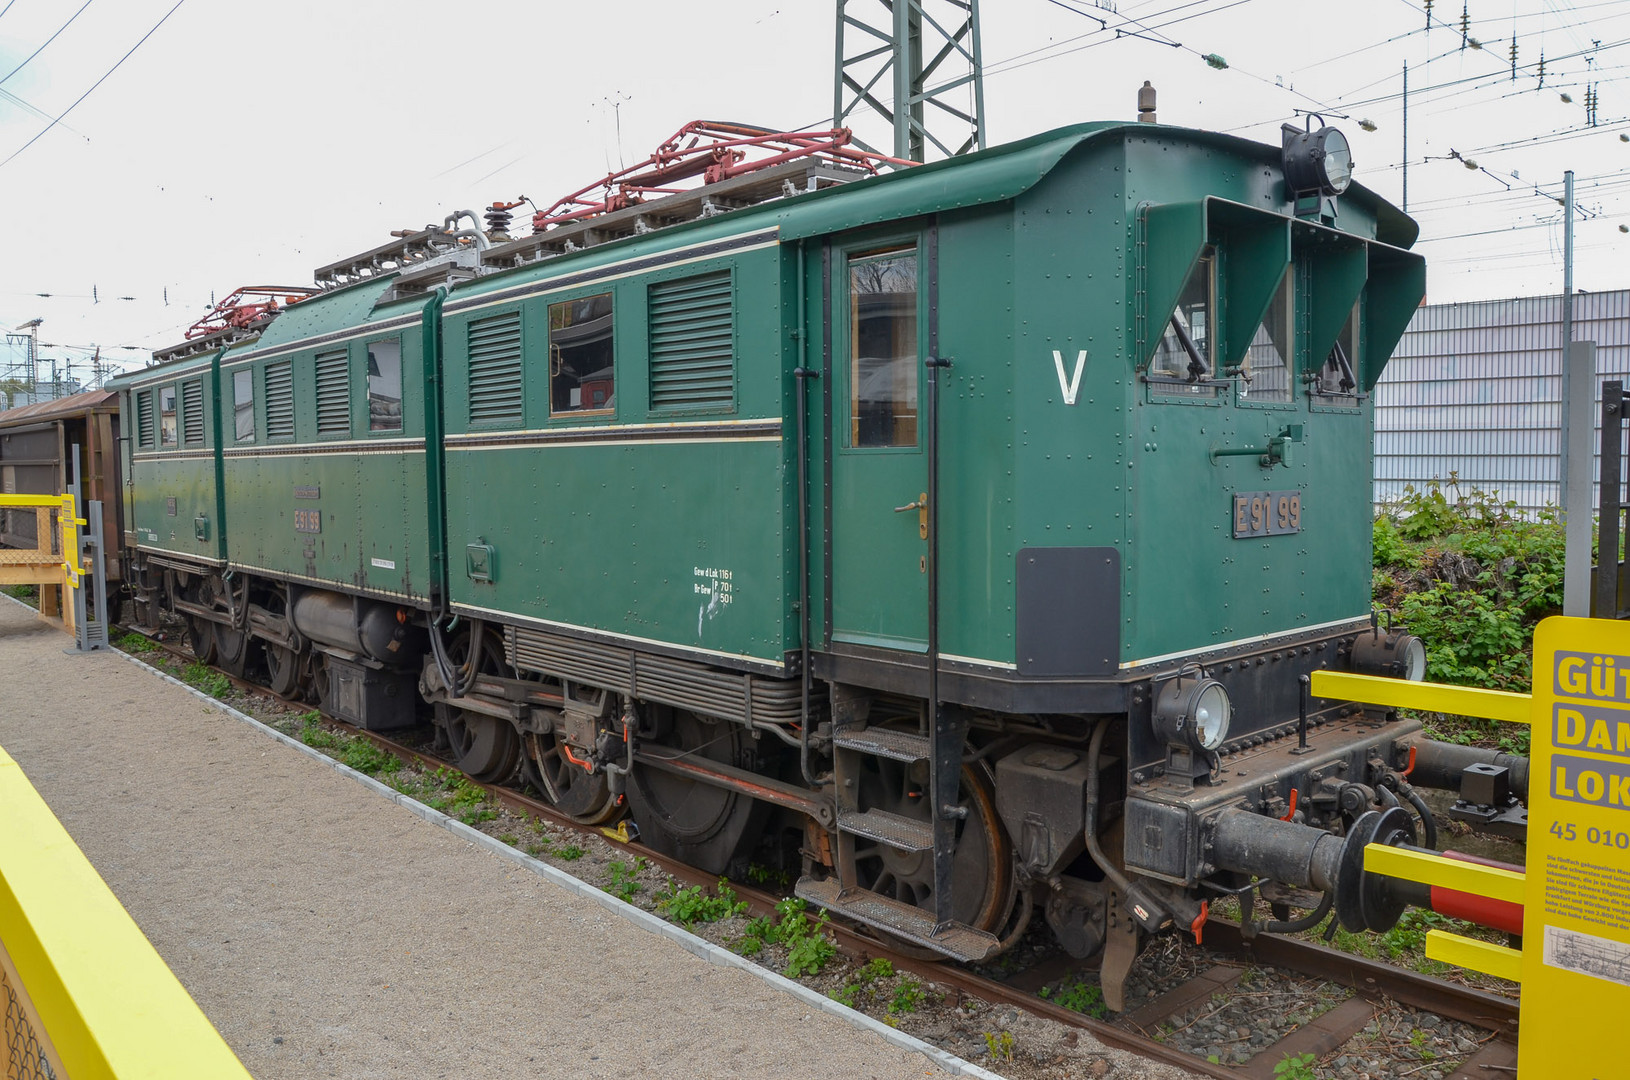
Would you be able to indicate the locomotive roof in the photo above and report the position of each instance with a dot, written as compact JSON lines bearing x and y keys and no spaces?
{"x":999,"y":173}
{"x":993,"y":175}
{"x":1008,"y":170}
{"x":165,"y":370}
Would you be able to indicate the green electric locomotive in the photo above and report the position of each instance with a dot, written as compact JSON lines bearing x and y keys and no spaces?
{"x":957,"y":538}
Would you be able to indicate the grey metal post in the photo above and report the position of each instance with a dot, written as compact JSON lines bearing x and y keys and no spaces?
{"x":1563,"y":395}
{"x":1406,"y":137}
{"x":93,"y":631}
{"x":78,"y":554}
{"x":90,"y":616}
{"x":1579,"y":410}
{"x":908,"y":30}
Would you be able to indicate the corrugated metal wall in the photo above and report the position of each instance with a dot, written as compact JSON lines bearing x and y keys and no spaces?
{"x":1473,"y":390}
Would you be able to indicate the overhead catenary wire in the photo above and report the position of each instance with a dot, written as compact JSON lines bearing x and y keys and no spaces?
{"x":48,"y":40}
{"x":94,"y":85}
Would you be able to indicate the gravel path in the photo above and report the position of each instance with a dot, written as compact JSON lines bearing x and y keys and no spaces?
{"x":328,"y":932}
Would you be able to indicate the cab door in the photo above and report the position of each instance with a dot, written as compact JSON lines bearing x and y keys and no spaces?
{"x":879,"y":467}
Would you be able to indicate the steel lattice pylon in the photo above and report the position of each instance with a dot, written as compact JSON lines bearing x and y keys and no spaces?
{"x":919,"y":54}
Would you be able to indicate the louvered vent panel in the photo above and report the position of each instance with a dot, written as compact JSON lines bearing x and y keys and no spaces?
{"x":495,"y":369}
{"x":279,"y":401}
{"x":144,"y":418}
{"x":192,"y":412}
{"x":693,"y":354}
{"x":333,"y":393}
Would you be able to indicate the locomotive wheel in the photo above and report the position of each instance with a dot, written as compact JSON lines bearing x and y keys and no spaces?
{"x":699,"y":823}
{"x":318,"y":690}
{"x":585,"y":799}
{"x":233,"y":650}
{"x":201,"y":639}
{"x":982,"y":865}
{"x":486,"y":748}
{"x":282,"y":670}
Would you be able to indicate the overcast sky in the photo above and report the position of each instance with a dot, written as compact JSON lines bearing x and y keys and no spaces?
{"x":248,"y":144}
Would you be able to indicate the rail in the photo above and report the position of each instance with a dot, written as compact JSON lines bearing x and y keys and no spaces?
{"x":87,"y":997}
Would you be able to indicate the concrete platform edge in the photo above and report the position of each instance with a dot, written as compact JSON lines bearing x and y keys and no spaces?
{"x":643,"y":919}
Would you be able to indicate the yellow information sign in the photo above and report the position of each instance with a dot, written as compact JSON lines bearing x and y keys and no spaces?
{"x":1576,"y":920}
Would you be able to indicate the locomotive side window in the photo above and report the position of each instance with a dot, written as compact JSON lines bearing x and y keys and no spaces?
{"x":384,"y":386}
{"x":1271,"y":355}
{"x":166,"y":416}
{"x":243,"y":405}
{"x":883,"y":349}
{"x":1337,"y":383}
{"x":581,"y":377}
{"x":1185,"y":349}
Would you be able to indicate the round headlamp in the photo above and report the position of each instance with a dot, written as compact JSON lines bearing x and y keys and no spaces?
{"x":1413,"y":652}
{"x":1319,"y":160}
{"x":1193,"y":711}
{"x":1395,"y":655}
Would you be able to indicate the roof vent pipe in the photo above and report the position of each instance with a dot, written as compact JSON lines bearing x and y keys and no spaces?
{"x":480,"y":237}
{"x":1146,"y":103}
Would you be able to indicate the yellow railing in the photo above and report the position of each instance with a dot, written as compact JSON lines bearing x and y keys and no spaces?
{"x":88,"y":996}
{"x":53,"y":562}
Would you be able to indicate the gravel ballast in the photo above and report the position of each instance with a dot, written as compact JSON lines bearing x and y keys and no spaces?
{"x":327,"y":931}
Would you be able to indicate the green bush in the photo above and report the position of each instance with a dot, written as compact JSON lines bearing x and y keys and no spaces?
{"x":1471,"y":577}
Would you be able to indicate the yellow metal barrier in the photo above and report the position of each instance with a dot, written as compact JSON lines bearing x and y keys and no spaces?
{"x":52,"y":566}
{"x":1425,"y":696}
{"x":1474,"y":955}
{"x":1575,"y":893}
{"x":1427,"y":869}
{"x":1494,"y":882}
{"x":93,"y":999}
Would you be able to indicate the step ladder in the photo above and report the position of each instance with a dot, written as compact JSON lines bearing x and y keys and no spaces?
{"x":841,"y":893}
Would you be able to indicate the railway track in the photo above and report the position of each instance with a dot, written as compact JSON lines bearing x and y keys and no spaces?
{"x":1374,"y":985}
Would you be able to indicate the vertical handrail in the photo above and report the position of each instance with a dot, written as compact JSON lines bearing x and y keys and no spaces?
{"x":1610,"y":501}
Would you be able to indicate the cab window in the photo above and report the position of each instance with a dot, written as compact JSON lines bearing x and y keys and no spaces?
{"x":384,"y":386}
{"x":1270,"y":358}
{"x":581,"y":374}
{"x":1183,"y":356}
{"x":1337,"y":382}
{"x":243,"y":405}
{"x":166,"y":416}
{"x":883,"y":348}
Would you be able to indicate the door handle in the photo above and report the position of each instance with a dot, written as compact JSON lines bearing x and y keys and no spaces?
{"x":921,"y":506}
